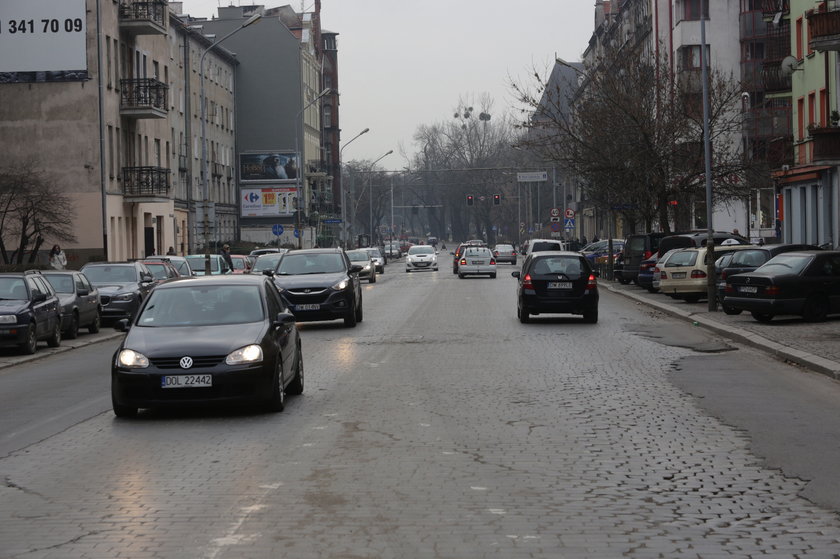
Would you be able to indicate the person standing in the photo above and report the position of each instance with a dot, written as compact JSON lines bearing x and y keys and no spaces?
{"x":226,"y":256}
{"x":57,"y":258}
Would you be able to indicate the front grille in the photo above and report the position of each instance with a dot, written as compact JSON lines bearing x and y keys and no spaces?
{"x":298,"y":297}
{"x":198,"y":362}
{"x":104,"y":299}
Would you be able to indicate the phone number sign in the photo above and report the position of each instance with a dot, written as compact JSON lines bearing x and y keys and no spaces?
{"x":42,"y":35}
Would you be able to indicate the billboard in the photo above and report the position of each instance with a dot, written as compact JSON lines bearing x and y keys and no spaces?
{"x":268,"y":201}
{"x":268,"y":166}
{"x":42,"y":36}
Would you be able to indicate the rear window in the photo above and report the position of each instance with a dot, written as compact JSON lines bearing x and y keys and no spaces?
{"x":683,"y":258}
{"x":753,"y":258}
{"x":636,"y":244}
{"x":541,"y":246}
{"x":571,"y":266}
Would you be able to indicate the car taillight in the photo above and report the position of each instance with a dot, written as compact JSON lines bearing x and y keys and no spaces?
{"x":514,"y":253}
{"x":592,"y":283}
{"x":495,"y":253}
{"x":697,"y":274}
{"x":729,"y":288}
{"x":463,"y":262}
{"x":664,"y":275}
{"x":526,"y":282}
{"x":492,"y":261}
{"x":648,"y":254}
{"x":773,"y":290}
{"x":724,"y":274}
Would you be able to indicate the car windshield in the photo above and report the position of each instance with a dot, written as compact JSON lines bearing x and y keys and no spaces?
{"x":61,"y":283}
{"x":324,"y":263}
{"x":182,"y":267}
{"x":358,"y":256}
{"x":197,"y":263}
{"x":238,"y":262}
{"x":421,"y":249}
{"x":266,"y":261}
{"x":158,"y":270}
{"x":12,"y":288}
{"x":374,"y":252}
{"x":505,"y":248}
{"x":785,"y":264}
{"x":106,"y":274}
{"x":202,"y":305}
{"x":570,"y":266}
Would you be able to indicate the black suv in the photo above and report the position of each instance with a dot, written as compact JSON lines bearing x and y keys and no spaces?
{"x":122,"y":286}
{"x":320,"y":284}
{"x":29,"y":311}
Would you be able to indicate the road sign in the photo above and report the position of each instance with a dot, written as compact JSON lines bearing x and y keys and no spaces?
{"x":533,"y":176}
{"x":277,"y":229}
{"x":332,"y":220}
{"x":569,"y":223}
{"x":555,"y":226}
{"x":570,"y":213}
{"x":554,"y":212}
{"x":555,"y":219}
{"x":297,"y":233}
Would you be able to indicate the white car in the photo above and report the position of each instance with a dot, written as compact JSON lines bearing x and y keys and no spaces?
{"x":421,"y":257}
{"x":378,"y":259}
{"x":477,"y":261}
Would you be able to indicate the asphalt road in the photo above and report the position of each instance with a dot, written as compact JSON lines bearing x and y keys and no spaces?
{"x":440,"y":427}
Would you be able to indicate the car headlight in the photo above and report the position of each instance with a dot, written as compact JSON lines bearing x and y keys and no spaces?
{"x":367,"y":267}
{"x":341,"y":285}
{"x":124,"y":297}
{"x":8,"y":319}
{"x":131,"y":359}
{"x":248,"y":354}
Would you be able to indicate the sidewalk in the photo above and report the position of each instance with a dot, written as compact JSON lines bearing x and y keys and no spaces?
{"x":11,"y":356}
{"x":813,"y":345}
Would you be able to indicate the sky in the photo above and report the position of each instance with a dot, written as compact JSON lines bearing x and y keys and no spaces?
{"x":407,"y":63}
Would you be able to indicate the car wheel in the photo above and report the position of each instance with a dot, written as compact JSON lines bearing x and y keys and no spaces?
{"x":93,"y":328}
{"x":372,"y":279}
{"x":123,"y":411}
{"x":623,"y":281}
{"x":461,"y":276}
{"x":522,"y":315}
{"x":492,"y":276}
{"x":295,"y":387}
{"x":55,"y":338}
{"x":73,"y":331}
{"x":31,"y":344}
{"x":762,"y":317}
{"x":407,"y":271}
{"x":815,"y":309}
{"x":277,"y":400}
{"x":591,"y":316}
{"x":731,"y":310}
{"x":435,"y":269}
{"x":652,"y":289}
{"x":350,"y":320}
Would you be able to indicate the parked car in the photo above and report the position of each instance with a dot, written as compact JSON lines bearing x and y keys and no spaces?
{"x":122,"y":286}
{"x":504,"y":253}
{"x":477,"y":261}
{"x":749,"y":260}
{"x":179,"y":262}
{"x":29,"y":311}
{"x":241,"y":263}
{"x":361,"y":257}
{"x":217,"y":339}
{"x":556,"y":282}
{"x":79,"y":300}
{"x":685,"y":274}
{"x":392,"y":250}
{"x":638,"y":247}
{"x":599,"y":252}
{"x":646,"y":272}
{"x":656,"y":275}
{"x":804,"y":283}
{"x":377,"y":257}
{"x":162,"y":270}
{"x":261,"y":251}
{"x":218,"y":266}
{"x":699,"y":239}
{"x":320,"y":284}
{"x":421,"y":257}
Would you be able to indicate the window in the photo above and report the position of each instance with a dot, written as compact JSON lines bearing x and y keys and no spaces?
{"x":111,"y":151}
{"x":799,"y":38}
{"x":327,"y":116}
{"x":688,"y":57}
{"x":692,"y":9}
{"x":108,"y":60}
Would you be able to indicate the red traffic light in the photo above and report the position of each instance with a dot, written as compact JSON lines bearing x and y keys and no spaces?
{"x":497,"y":199}
{"x":470,"y":200}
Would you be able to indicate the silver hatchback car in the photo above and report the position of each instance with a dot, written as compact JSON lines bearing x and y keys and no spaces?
{"x":477,"y":261}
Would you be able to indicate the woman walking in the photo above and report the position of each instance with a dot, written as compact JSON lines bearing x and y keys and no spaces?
{"x":57,"y":258}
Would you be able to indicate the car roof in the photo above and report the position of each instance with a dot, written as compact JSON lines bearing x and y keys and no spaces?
{"x":231,"y":279}
{"x":316,"y":251}
{"x":544,"y":253}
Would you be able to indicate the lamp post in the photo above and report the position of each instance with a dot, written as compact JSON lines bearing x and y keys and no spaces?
{"x":341,"y":172}
{"x":301,"y":165}
{"x":370,"y":191}
{"x":204,"y":170}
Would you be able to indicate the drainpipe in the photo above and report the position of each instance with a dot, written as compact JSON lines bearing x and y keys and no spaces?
{"x":101,"y":86}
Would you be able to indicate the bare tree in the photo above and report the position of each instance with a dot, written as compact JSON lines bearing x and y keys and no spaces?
{"x":33,"y":210}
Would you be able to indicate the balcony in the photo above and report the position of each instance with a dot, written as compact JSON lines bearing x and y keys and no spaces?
{"x":144,"y":18}
{"x":773,"y":7}
{"x":774,"y":79}
{"x":826,"y":145}
{"x":216,"y":169}
{"x":690,"y":81}
{"x":824,"y":28}
{"x":146,"y":184}
{"x":143,"y":98}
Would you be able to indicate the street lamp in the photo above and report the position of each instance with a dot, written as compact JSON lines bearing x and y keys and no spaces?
{"x":204,"y":170}
{"x":300,"y":164}
{"x":341,"y":174}
{"x":370,"y":191}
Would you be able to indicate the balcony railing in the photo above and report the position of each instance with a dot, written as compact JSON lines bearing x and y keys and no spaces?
{"x":775,"y":79}
{"x":826,"y":145}
{"x":824,"y":28}
{"x":144,"y":18}
{"x":146,"y":182}
{"x":143,"y":98}
{"x":773,"y":7}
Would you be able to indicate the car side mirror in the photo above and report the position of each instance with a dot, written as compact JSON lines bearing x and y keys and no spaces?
{"x":515,"y":274}
{"x":284,"y":319}
{"x":146,"y":278}
{"x":122,"y":325}
{"x":39,"y":297}
{"x":355,"y":269}
{"x":83,"y":292}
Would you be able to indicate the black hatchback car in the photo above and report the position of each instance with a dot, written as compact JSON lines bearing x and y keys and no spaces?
{"x":29,"y":311}
{"x":320,"y":284}
{"x":79,"y":301}
{"x":805,"y":283}
{"x":122,"y":286}
{"x":215,"y":339}
{"x":557,"y":282}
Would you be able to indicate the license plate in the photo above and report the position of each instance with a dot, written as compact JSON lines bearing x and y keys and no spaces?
{"x":186,"y":381}
{"x":678,"y":275}
{"x":478,"y":262}
{"x":559,"y":285}
{"x":309,"y":307}
{"x":748,"y":289}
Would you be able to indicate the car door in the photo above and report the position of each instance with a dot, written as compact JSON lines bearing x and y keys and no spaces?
{"x":285,"y":336}
{"x":87,"y":297}
{"x":42,"y":307}
{"x":832,"y":270}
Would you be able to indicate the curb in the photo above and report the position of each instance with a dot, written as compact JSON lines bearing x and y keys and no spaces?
{"x":42,"y":353}
{"x":774,"y":348}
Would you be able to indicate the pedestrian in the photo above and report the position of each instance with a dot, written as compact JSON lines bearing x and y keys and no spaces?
{"x":57,"y":258}
{"x":171,"y":251}
{"x":735,"y":232}
{"x":226,"y":256}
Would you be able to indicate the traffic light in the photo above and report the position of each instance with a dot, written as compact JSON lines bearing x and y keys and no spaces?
{"x":470,"y":200}
{"x":497,"y":199}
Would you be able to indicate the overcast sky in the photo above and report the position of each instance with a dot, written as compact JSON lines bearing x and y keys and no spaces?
{"x":404,"y":63}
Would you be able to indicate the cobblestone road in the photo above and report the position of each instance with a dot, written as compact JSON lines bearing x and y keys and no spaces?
{"x":440,"y":427}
